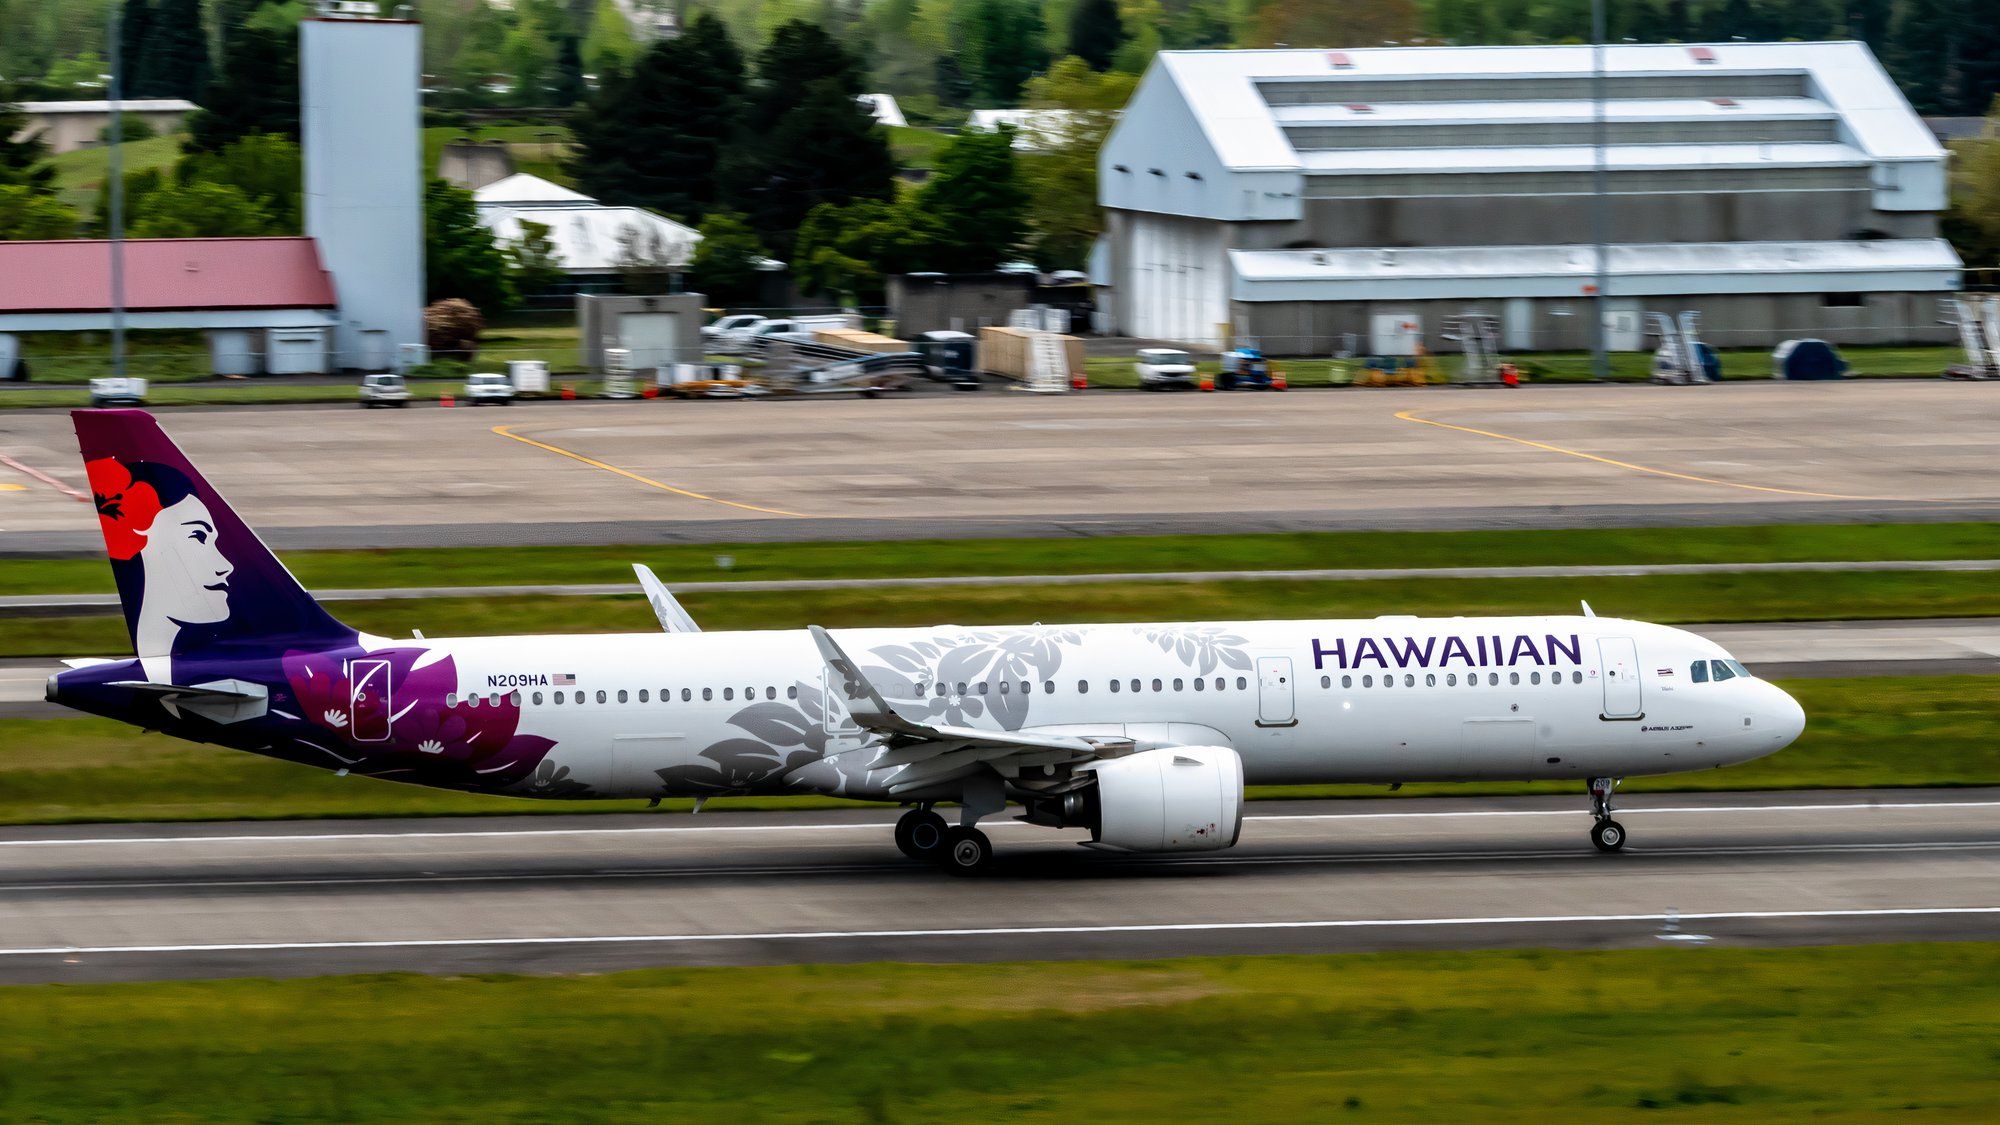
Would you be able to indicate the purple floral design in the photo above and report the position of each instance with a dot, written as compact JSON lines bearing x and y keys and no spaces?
{"x":1200,"y":647}
{"x":399,"y":724}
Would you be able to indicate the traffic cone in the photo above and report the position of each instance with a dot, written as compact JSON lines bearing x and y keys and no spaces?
{"x":444,"y":398}
{"x":1208,"y":382}
{"x":1278,"y":380}
{"x":568,"y":391}
{"x":1078,"y":381}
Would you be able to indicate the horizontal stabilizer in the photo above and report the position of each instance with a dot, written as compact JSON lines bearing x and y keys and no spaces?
{"x":221,"y":701}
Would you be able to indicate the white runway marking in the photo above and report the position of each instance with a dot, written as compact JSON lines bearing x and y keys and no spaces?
{"x":878,"y":826}
{"x":1005,"y":931}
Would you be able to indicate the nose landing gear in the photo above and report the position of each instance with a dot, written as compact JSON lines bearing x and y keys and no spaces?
{"x":1607,"y":834}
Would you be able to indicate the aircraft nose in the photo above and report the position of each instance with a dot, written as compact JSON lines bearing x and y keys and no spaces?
{"x":1788,"y":719}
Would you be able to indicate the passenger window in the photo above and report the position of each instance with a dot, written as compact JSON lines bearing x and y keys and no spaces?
{"x":1492,"y":679}
{"x":600,"y":695}
{"x":1698,"y":672}
{"x":1156,"y":685}
{"x":1430,"y":679}
{"x":1576,"y":677}
{"x":942,"y":689}
{"x":1005,"y":688}
{"x":707,"y":694}
{"x":728,"y":693}
{"x":1409,"y":679}
{"x":1049,"y":687}
{"x":1451,"y":679}
{"x":770,"y":693}
{"x":792,"y":692}
{"x":1513,"y":677}
{"x":1720,"y":670}
{"x":1326,"y":681}
{"x":644,"y":695}
{"x":1220,"y":683}
{"x":538,"y":699}
{"x":1137,"y":686}
{"x":1178,"y":685}
{"x":1114,"y":685}
{"x":961,"y":688}
{"x":1200,"y":684}
{"x":982,"y":687}
{"x":1241,"y":683}
{"x":687,"y":694}
{"x":1368,"y":681}
{"x":1347,"y":681}
{"x":1534,"y":677}
{"x":621,"y":695}
{"x":1082,"y":687}
{"x":493,"y":700}
{"x":451,"y":699}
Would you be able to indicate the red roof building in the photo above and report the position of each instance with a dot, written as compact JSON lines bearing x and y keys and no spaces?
{"x":177,"y":275}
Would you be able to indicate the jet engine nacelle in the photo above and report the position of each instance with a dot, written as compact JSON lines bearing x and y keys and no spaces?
{"x":1179,"y":799}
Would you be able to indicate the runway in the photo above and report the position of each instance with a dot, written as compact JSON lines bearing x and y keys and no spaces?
{"x":1022,"y":465}
{"x":589,"y":894}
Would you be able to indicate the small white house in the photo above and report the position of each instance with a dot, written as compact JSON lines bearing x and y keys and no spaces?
{"x":68,"y":126}
{"x":884,"y":108}
{"x":592,"y":241}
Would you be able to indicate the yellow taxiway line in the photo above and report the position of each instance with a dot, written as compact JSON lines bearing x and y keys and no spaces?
{"x":508,"y":432}
{"x":1410,"y":416}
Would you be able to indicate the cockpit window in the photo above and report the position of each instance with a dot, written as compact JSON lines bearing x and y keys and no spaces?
{"x":1721,"y":670}
{"x":1740,"y":669}
{"x":1698,"y":674}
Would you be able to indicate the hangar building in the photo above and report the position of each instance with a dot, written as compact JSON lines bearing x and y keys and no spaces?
{"x":1319,"y":199}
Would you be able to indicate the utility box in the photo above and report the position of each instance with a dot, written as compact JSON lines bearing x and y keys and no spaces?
{"x":295,"y":351}
{"x":657,"y":331}
{"x":529,"y":376}
{"x":1395,"y":333}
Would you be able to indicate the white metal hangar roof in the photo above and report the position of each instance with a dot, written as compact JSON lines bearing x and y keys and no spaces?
{"x":1249,"y":135}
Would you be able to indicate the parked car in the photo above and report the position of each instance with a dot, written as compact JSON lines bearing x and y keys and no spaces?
{"x":727,"y":325}
{"x":1165,"y":369}
{"x":787,"y":329}
{"x":118,"y":392}
{"x":488,"y":387}
{"x":384,"y":390}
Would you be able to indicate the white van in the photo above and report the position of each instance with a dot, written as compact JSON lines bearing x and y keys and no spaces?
{"x":384,"y":389}
{"x":488,"y":387}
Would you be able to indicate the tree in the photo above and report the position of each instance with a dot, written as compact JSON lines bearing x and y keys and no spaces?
{"x":849,"y":251}
{"x":265,"y":167}
{"x":135,"y":21}
{"x":1973,"y":223}
{"x":460,"y":259}
{"x":1356,"y":23}
{"x":27,"y":213}
{"x":653,"y":138}
{"x":805,"y":139}
{"x":726,"y":259}
{"x":1062,"y":178}
{"x":23,"y":154}
{"x":608,"y":47}
{"x":200,"y":210}
{"x":1003,"y":48}
{"x":257,"y":91}
{"x":975,"y":196}
{"x":531,"y":57}
{"x":175,"y":60}
{"x":1095,"y":32}
{"x":537,"y":264}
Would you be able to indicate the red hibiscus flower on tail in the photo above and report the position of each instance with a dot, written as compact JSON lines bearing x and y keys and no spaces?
{"x":125,"y":508}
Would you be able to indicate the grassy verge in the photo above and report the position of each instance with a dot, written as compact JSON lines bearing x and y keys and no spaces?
{"x":1823,"y":1034}
{"x":1665,"y":598}
{"x":484,"y":566}
{"x":1861,"y":735}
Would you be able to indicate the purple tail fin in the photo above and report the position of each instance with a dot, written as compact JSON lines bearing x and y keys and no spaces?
{"x":190,"y":573}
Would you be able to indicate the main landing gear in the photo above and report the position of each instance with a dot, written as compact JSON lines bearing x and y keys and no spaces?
{"x":960,"y":849}
{"x":1607,"y":834}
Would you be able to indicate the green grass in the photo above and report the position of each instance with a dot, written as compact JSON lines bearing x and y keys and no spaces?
{"x":1877,"y":732}
{"x":1732,"y":1035}
{"x":539,"y":150}
{"x":486,"y":566}
{"x":916,"y":148}
{"x":80,"y":173}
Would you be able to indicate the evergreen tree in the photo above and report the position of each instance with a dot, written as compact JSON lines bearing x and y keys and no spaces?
{"x":569,"y":86}
{"x":22,"y":162}
{"x":176,"y":51}
{"x":1095,"y":32}
{"x":653,"y":137}
{"x":135,"y":21}
{"x":1922,"y":52}
{"x":1003,"y":48}
{"x":256,"y":93}
{"x":976,"y":195}
{"x":724,"y":269}
{"x":805,"y":139}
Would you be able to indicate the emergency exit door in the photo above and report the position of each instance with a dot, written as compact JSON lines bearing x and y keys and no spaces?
{"x":1275,"y":707}
{"x":1621,"y":678}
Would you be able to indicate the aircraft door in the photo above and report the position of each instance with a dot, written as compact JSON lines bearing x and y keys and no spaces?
{"x":368,"y":700}
{"x":1621,"y":678}
{"x":1275,"y":706}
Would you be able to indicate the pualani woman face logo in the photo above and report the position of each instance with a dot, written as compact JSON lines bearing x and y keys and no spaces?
{"x":153,"y":519}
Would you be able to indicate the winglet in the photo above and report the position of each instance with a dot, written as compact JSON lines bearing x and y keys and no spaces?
{"x":672,"y":617}
{"x":869,"y":710}
{"x":1587,"y":611}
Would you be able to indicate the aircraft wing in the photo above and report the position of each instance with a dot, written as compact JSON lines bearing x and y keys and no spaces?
{"x":926,"y":754}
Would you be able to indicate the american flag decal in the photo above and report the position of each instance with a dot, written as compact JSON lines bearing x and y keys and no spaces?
{"x":563,"y":679}
{"x":1665,"y":672}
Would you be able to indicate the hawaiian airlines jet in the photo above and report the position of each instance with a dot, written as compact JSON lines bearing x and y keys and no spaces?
{"x":1144,"y":735}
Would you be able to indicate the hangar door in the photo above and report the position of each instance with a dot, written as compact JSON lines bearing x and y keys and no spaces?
{"x":651,"y":337}
{"x":1178,"y":281}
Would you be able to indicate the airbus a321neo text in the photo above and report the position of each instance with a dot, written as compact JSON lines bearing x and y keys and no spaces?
{"x":1143,"y":735}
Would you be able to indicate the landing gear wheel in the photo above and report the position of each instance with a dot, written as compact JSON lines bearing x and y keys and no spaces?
{"x":966,"y":851}
{"x":1608,"y":835}
{"x":920,"y":834}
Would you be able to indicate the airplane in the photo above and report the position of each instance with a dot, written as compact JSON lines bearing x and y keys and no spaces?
{"x":1144,"y":735}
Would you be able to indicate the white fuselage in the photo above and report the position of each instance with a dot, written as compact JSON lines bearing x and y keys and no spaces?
{"x":1382,"y":700}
